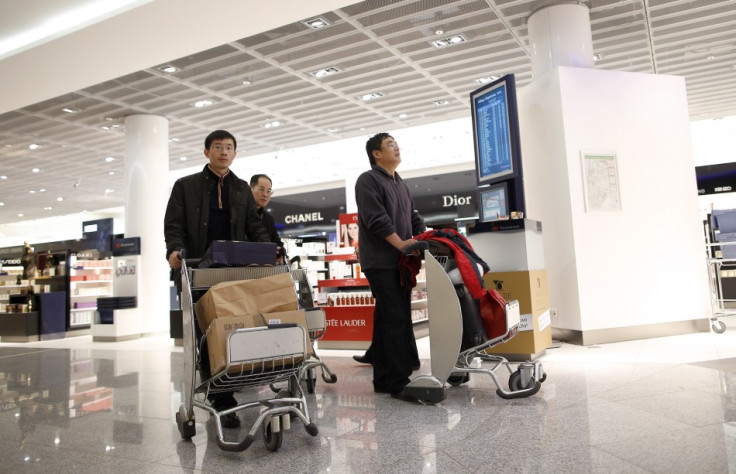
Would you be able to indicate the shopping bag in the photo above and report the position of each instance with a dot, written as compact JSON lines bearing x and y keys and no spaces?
{"x":493,"y":313}
{"x":233,"y":298}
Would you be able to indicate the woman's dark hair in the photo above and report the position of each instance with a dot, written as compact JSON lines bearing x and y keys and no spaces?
{"x":219,"y":135}
{"x":374,"y":143}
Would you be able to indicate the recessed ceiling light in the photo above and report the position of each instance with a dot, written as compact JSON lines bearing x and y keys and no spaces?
{"x":371,"y":96}
{"x":449,"y":41}
{"x":325,"y":72}
{"x":173,"y":139}
{"x":316,"y":23}
{"x":487,"y":79}
{"x":32,"y":191}
{"x":20,"y":215}
{"x":710,"y":57}
{"x":34,"y":146}
{"x":168,"y":68}
{"x":2,"y":203}
{"x":246,"y":82}
{"x":47,"y":208}
{"x":403,"y":116}
{"x":334,"y":129}
{"x":60,"y":199}
{"x":441,"y":102}
{"x":108,"y":191}
{"x":112,"y":126}
{"x":36,"y":170}
{"x":71,"y":110}
{"x":42,"y":190}
{"x":183,"y":158}
{"x":271,"y":124}
{"x":202,"y":103}
{"x":597,"y":57}
{"x":111,"y":173}
{"x":110,"y":159}
{"x":3,"y":177}
{"x":439,"y":32}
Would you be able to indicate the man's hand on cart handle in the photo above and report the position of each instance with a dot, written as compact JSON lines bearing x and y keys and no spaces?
{"x":175,"y":259}
{"x":415,"y":248}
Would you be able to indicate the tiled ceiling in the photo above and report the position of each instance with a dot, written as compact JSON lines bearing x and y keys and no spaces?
{"x":377,"y":46}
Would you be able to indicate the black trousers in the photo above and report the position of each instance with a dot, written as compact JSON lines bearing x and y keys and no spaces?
{"x":394,"y":348}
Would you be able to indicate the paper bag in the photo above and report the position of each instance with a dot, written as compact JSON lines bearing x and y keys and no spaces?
{"x":231,"y":298}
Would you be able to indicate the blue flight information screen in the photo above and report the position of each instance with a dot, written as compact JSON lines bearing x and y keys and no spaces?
{"x":494,"y":144}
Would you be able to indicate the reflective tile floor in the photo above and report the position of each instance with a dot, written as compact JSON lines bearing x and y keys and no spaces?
{"x":658,"y":405}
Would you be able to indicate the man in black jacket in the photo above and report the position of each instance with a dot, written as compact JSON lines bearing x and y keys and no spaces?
{"x":387,"y":220}
{"x":213,"y":204}
{"x":262,"y":188}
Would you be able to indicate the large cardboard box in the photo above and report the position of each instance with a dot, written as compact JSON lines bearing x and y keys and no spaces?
{"x":261,"y":295}
{"x":535,"y":330}
{"x":220,"y":328}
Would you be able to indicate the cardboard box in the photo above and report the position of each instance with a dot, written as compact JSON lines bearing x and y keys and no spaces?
{"x":217,"y":337}
{"x":231,"y":298}
{"x":530,"y":289}
{"x":220,"y":328}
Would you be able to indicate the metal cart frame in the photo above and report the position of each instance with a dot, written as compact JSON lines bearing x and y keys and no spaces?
{"x":448,"y":363}
{"x":718,"y":302}
{"x":255,"y":357}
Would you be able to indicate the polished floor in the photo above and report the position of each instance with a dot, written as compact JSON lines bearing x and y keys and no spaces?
{"x":664,"y":405}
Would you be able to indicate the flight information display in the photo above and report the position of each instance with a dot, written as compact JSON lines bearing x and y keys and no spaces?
{"x":494,"y":159}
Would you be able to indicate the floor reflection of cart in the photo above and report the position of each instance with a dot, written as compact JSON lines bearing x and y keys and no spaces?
{"x":450,"y":364}
{"x":256,"y":357}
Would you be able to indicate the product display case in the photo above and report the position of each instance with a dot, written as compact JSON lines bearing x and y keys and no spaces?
{"x":348,"y":304}
{"x":88,"y":280}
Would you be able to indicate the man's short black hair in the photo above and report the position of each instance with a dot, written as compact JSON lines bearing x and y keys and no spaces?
{"x":374,"y":143}
{"x":219,"y":135}
{"x":254,"y":179}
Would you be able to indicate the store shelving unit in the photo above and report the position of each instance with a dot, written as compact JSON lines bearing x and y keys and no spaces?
{"x":88,"y":280}
{"x":348,"y":305}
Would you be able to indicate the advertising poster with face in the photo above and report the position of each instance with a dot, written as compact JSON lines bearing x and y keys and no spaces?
{"x":348,"y":230}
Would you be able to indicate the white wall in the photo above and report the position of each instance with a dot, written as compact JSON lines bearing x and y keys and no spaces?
{"x":645,"y":264}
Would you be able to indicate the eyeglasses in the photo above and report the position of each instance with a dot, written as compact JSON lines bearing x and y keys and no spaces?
{"x":263,"y":190}
{"x":227,"y":148}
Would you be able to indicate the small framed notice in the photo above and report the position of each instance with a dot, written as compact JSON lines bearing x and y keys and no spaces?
{"x":600,"y":182}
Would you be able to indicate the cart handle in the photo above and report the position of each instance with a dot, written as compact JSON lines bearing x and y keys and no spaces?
{"x":421,"y":245}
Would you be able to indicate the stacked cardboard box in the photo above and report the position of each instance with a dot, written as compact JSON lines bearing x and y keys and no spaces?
{"x":535,"y":330}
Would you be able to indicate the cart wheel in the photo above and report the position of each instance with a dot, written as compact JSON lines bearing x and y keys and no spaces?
{"x":458,"y":379}
{"x":515,"y":382}
{"x":332,"y":378}
{"x":187,"y":429}
{"x":271,"y":439}
{"x":719,"y":327}
{"x":311,"y":382}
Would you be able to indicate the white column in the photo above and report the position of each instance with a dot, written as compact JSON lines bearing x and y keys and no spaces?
{"x":559,"y":35}
{"x":146,"y":171}
{"x":350,"y":179}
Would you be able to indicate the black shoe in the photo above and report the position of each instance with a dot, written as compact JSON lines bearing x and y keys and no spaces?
{"x":378,"y":389}
{"x":230,"y":420}
{"x":362,"y":359}
{"x":405,"y":397}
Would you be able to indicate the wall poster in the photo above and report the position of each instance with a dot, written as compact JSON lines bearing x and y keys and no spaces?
{"x":601,"y":182}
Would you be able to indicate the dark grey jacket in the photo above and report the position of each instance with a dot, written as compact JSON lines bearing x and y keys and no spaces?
{"x":384,"y":207}
{"x":187,"y":213}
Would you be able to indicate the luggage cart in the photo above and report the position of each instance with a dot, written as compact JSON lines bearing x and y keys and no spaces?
{"x":255,"y":357}
{"x":451,"y":365}
{"x":316,"y":326}
{"x":720,"y":305}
